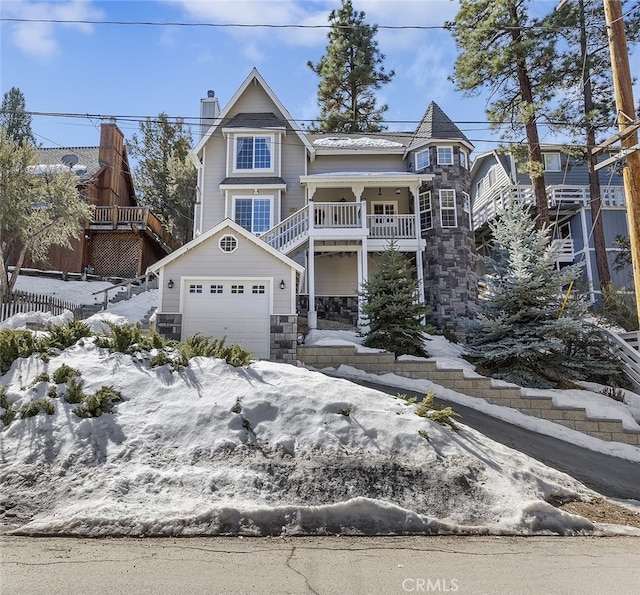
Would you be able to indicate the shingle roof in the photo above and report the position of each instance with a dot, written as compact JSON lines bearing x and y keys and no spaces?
{"x":86,"y":166}
{"x":254,"y":181}
{"x":436,"y":124}
{"x":256,"y":120}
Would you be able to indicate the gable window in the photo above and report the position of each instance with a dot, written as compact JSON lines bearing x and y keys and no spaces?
{"x":426,"y":212}
{"x":445,"y":155}
{"x":253,"y":153}
{"x":253,"y":213}
{"x":448,"y":217}
{"x":228,"y":243}
{"x":422,"y":159}
{"x":551,"y":161}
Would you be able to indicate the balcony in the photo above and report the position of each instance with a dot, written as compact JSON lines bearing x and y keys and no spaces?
{"x":132,"y":219}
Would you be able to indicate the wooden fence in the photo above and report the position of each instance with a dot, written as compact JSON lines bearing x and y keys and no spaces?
{"x":21,"y":302}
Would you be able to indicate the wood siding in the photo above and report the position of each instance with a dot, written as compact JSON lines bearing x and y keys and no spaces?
{"x":350,"y":162}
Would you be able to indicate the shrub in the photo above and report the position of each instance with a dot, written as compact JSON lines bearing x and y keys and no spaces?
{"x":100,"y":402}
{"x":74,"y":393}
{"x":122,"y":338}
{"x":9,"y":412}
{"x":61,"y":337}
{"x":237,"y":408}
{"x":346,"y":412}
{"x":431,"y":410}
{"x":15,"y":344}
{"x":32,"y":409}
{"x":65,"y":373}
{"x":52,"y":392}
{"x":424,"y":434}
{"x":42,"y":377}
{"x":198,"y":345}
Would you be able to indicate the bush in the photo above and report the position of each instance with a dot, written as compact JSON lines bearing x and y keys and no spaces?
{"x":61,"y":337}
{"x":100,"y":402}
{"x":441,"y":415}
{"x":65,"y":373}
{"x":129,"y":339}
{"x":198,"y":345}
{"x":75,"y":393}
{"x":16,"y":344}
{"x":9,"y":412}
{"x":32,"y":409}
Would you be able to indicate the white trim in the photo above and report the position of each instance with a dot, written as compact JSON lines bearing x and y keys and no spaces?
{"x":234,"y":227}
{"x":254,"y":75}
{"x":448,"y":209}
{"x":554,"y":155}
{"x":252,"y":197}
{"x":253,"y":135}
{"x":428,"y":153}
{"x":450,"y":148}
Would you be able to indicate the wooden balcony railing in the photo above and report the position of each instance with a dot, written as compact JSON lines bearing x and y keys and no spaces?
{"x":116,"y":217}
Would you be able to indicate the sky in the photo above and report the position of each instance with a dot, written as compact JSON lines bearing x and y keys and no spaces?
{"x":138,"y":71}
{"x":270,"y":449}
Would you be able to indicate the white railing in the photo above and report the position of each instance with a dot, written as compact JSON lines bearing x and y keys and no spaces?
{"x":290,"y":232}
{"x":492,"y":202}
{"x":337,"y":214}
{"x":390,"y":227}
{"x":564,"y":250}
{"x":625,"y":351}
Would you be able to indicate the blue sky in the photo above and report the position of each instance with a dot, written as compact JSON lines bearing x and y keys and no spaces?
{"x":138,"y":70}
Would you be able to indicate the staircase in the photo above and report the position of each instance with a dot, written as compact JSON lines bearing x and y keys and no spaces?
{"x":290,"y":233}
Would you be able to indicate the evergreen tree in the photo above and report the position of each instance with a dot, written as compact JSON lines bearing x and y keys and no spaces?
{"x":14,"y":119}
{"x":351,"y":71}
{"x":165,"y":178}
{"x":37,"y":209}
{"x":391,"y":308}
{"x":531,"y":327}
{"x":503,"y":49}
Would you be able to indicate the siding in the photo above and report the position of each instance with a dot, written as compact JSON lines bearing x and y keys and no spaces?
{"x":350,"y":162}
{"x":336,"y":274}
{"x":248,"y":260}
{"x":214,"y":172}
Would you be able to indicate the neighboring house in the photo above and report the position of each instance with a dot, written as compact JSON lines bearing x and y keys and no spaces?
{"x":496,"y":179}
{"x":122,"y":239}
{"x":329,"y":202}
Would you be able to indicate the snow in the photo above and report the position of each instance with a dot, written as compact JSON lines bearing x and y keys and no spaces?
{"x":269,"y":449}
{"x":351,"y":143}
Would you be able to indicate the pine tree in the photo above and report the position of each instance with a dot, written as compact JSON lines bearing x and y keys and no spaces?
{"x":165,"y":178}
{"x":501,"y":48}
{"x":351,"y":71}
{"x":391,"y":307}
{"x":14,"y":118}
{"x":37,"y":210}
{"x":531,"y":327}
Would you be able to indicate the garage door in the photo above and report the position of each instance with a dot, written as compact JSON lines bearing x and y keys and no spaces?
{"x":237,"y":309}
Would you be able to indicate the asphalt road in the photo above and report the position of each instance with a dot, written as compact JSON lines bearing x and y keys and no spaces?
{"x":321,"y":566}
{"x":608,"y":475}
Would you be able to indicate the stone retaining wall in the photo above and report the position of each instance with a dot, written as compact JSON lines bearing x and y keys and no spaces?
{"x":496,"y":393}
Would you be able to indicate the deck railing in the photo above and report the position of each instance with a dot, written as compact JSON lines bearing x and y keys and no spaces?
{"x":289,"y":232}
{"x":564,"y":250}
{"x":390,"y":227}
{"x":116,"y":217}
{"x":331,"y":215}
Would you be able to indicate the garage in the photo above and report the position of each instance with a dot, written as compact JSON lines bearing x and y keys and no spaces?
{"x":235,"y":308}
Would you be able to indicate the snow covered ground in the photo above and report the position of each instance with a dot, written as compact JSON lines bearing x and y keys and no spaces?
{"x":266,"y":450}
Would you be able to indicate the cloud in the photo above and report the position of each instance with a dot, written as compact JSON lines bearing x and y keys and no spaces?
{"x":253,"y":53}
{"x":41,"y":39}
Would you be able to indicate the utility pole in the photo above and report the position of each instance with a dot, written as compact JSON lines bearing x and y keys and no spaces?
{"x":628,"y":130}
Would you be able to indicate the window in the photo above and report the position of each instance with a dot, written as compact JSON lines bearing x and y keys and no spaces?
{"x":448,"y":216}
{"x":195,"y":288}
{"x":253,"y":213}
{"x":216,"y":289}
{"x":445,"y":155}
{"x":466,"y":207}
{"x":551,"y":161}
{"x":237,"y":289}
{"x":228,"y":243}
{"x":253,"y":152}
{"x":426,"y":213}
{"x":258,"y":289}
{"x":463,"y":158}
{"x":491,"y":177}
{"x":422,"y":159}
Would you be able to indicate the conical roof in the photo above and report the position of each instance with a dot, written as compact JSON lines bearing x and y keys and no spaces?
{"x":435,"y":124}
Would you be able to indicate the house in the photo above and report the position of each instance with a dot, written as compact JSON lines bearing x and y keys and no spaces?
{"x":496,"y":179}
{"x":330,"y":203}
{"x":122,"y":239}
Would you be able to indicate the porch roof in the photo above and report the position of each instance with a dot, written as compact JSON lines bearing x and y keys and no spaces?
{"x":366,"y":178}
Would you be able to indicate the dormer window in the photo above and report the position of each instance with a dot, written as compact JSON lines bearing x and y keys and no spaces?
{"x":254,"y":153}
{"x":422,"y":160}
{"x":551,"y":161}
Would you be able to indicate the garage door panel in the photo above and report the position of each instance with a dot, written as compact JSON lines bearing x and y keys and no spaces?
{"x":236,"y":309}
